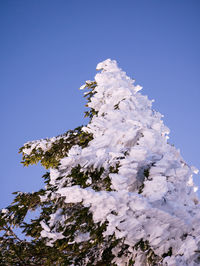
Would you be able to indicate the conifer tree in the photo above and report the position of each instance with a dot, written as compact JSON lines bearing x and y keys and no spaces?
{"x":117,"y":193}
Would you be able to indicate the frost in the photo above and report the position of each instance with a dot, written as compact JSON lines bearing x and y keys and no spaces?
{"x":42,"y":144}
{"x":152,"y":197}
{"x":82,"y":87}
{"x":47,"y":233}
{"x":4,"y":211}
{"x":82,"y":237}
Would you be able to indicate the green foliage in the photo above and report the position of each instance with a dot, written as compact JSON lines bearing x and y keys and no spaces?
{"x":33,"y":250}
{"x":57,"y":150}
{"x":16,"y":251}
{"x":88,"y":95}
{"x":151,"y":257}
{"x":146,"y":171}
{"x":23,"y":253}
{"x":169,"y":253}
{"x":97,"y":179}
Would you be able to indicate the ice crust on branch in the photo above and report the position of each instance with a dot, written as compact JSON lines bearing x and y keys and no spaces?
{"x":152,"y":194}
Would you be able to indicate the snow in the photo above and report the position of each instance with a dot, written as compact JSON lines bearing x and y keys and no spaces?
{"x":159,"y":207}
{"x":48,"y":233}
{"x":4,"y":211}
{"x":41,"y":145}
{"x":81,"y":237}
{"x":156,"y":188}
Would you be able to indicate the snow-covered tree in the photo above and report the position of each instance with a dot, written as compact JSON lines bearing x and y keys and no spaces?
{"x":117,"y":193}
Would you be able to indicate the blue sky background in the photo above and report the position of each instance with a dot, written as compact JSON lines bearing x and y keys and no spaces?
{"x":49,"y":48}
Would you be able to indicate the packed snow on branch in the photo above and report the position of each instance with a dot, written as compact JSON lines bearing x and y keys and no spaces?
{"x":151,"y":197}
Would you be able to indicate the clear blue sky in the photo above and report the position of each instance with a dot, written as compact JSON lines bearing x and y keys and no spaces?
{"x":49,"y":48}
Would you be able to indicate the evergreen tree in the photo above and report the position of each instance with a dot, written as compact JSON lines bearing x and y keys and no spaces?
{"x":117,"y":193}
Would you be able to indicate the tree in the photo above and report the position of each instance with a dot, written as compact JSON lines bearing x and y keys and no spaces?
{"x":117,"y":193}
